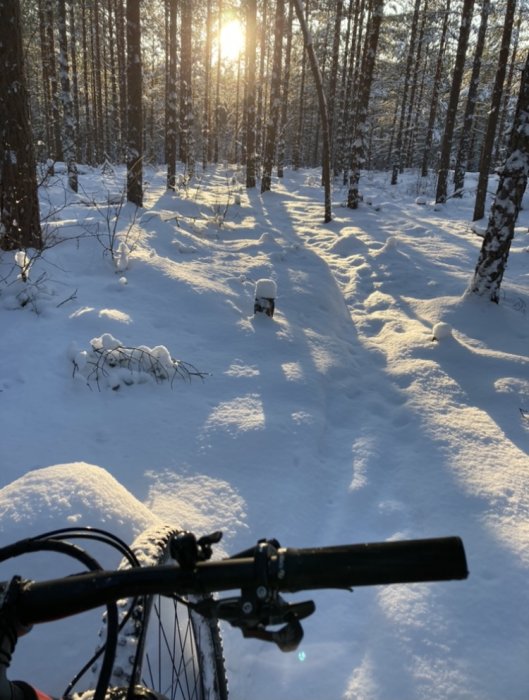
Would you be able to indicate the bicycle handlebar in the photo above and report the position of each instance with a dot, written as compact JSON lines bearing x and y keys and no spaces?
{"x":287,"y":570}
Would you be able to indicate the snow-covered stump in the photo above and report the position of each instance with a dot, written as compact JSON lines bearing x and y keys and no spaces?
{"x":265,"y":297}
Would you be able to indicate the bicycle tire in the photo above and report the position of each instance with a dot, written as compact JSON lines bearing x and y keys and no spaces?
{"x":167,"y":647}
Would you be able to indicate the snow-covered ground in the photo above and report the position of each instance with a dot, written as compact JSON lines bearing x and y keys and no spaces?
{"x":350,"y":416}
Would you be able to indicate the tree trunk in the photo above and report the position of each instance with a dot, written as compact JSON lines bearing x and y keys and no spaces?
{"x":502,"y":139}
{"x":19,"y":205}
{"x":134,"y":106}
{"x":114,"y":126}
{"x":492,"y":122}
{"x":275,"y":99}
{"x":333,"y":78}
{"x":457,"y":78}
{"x":97,"y":71}
{"x":206,"y":117}
{"x":44,"y":50}
{"x":186,"y":99}
{"x":66,"y":98}
{"x":468,"y":120}
{"x":170,"y":97}
{"x":397,"y":166}
{"x":435,"y":94}
{"x":360,"y":126}
{"x":504,"y":212}
{"x":217,"y":86}
{"x":122,"y":68}
{"x":409,"y":131}
{"x":339,"y":128}
{"x":88,"y":130}
{"x":297,"y":157}
{"x":284,"y":99}
{"x":251,"y":22}
{"x":75,"y":82}
{"x":54,"y":89}
{"x":316,"y":73}
{"x":259,"y":115}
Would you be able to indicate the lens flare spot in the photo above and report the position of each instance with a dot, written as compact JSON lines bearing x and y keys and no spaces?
{"x":302,"y":656}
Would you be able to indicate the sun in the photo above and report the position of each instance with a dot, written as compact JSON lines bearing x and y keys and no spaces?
{"x":231,"y":40}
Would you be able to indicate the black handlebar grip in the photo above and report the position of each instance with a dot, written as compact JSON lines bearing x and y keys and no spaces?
{"x":413,"y":561}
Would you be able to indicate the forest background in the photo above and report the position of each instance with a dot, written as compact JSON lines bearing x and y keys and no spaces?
{"x":223,"y":81}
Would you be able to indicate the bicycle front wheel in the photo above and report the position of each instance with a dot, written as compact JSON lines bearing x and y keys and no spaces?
{"x":166,"y":646}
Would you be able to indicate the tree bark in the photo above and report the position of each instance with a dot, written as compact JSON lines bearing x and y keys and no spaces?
{"x":54,"y":89}
{"x":324,"y":117}
{"x":134,"y":106}
{"x":19,"y":205}
{"x":170,"y":97}
{"x":275,"y":99}
{"x":360,"y":126}
{"x":285,"y":94}
{"x":251,"y":22}
{"x":468,"y":119}
{"x":186,"y":97}
{"x":66,"y":99}
{"x":206,"y":118}
{"x":397,"y":166}
{"x":457,"y":77}
{"x":494,"y":253}
{"x":492,"y":122}
{"x":434,"y":102}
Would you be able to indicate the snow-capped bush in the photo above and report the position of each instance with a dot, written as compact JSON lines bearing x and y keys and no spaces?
{"x":24,"y":263}
{"x":121,"y":257}
{"x":23,"y":291}
{"x":110,"y":363}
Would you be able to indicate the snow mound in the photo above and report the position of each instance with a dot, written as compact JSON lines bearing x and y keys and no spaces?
{"x":64,"y":495}
{"x":441,"y":330}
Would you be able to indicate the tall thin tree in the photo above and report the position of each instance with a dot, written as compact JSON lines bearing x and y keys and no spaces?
{"x":251,"y":21}
{"x":66,"y":99}
{"x":134,"y":105}
{"x":19,"y":205}
{"x":170,"y":97}
{"x":275,"y":99}
{"x":492,"y":121}
{"x":472,"y":96}
{"x":324,"y":116}
{"x":436,"y":88}
{"x":360,"y":125}
{"x":455,"y":89}
{"x":186,"y":95}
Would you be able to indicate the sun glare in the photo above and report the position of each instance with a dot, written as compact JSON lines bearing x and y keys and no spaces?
{"x":231,"y":40}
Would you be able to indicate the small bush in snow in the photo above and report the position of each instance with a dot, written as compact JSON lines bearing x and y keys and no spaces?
{"x":21,"y":291}
{"x":110,"y":363}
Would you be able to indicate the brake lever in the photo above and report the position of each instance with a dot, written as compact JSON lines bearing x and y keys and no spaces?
{"x":253,"y":616}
